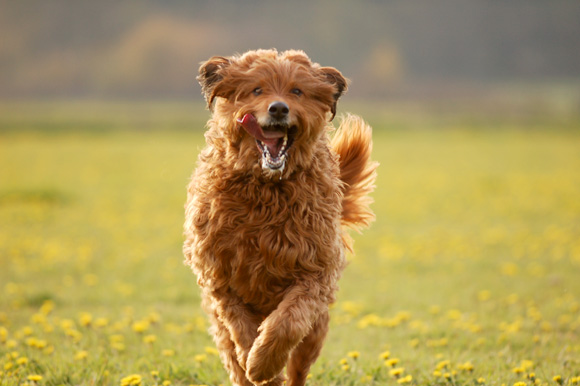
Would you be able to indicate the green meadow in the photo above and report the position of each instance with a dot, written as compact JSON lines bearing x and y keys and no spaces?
{"x":470,"y":274}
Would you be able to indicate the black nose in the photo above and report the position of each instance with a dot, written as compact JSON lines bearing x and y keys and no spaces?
{"x":278,"y":110}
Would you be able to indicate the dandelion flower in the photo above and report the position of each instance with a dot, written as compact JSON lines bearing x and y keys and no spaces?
{"x":149,"y":339}
{"x":34,"y":378}
{"x":131,"y":380}
{"x":353,"y":354}
{"x":155,"y":374}
{"x":392,"y":362}
{"x":557,"y":379}
{"x":385,"y":355}
{"x":406,"y":379}
{"x":481,"y":380}
{"x":397,"y":372}
{"x":168,"y":353}
{"x":200,"y":358}
{"x":520,"y":384}
{"x":81,"y":355}
{"x":345,"y":367}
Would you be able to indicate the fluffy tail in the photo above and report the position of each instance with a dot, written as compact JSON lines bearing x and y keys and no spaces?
{"x":353,"y":144}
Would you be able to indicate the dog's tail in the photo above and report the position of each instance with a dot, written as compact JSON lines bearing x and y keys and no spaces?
{"x":353,"y":144}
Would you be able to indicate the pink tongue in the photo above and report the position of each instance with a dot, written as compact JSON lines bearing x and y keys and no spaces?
{"x":270,"y":138}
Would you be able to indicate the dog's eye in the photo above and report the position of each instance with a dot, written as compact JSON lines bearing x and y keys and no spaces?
{"x":257,"y":91}
{"x":296,"y":91}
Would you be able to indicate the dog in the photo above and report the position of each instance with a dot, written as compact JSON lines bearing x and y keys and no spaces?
{"x":268,"y":208}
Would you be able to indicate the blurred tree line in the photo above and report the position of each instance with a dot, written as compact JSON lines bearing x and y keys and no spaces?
{"x":151,"y":48}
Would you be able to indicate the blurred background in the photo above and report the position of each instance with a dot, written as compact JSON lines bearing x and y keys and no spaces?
{"x":521,"y":50}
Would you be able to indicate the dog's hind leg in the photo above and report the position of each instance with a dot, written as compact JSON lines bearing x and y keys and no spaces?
{"x":306,"y":352}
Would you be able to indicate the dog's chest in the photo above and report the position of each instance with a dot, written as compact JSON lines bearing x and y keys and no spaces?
{"x":266,"y":238}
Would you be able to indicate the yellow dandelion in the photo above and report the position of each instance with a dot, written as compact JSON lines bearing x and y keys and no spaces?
{"x":558,"y":379}
{"x":140,"y":326}
{"x":397,"y":372}
{"x":166,"y":383}
{"x":520,"y":384}
{"x":34,"y":378}
{"x":518,"y":370}
{"x":447,"y":376}
{"x":22,"y":361}
{"x":131,"y":380}
{"x":527,"y":364}
{"x":443,"y":364}
{"x":392,"y":362}
{"x":211,"y":350}
{"x":85,"y":319}
{"x":353,"y":354}
{"x":365,"y":379}
{"x":149,"y":339}
{"x":467,"y":366}
{"x":81,"y":355}
{"x":345,"y":367}
{"x":406,"y":379}
{"x":385,"y":355}
{"x":481,"y":380}
{"x":574,"y":380}
{"x":155,"y":374}
{"x":437,"y":373}
{"x":168,"y":353}
{"x":343,"y":361}
{"x":200,"y":358}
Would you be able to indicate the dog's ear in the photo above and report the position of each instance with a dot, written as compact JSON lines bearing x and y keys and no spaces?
{"x":210,"y":75}
{"x":334,"y":77}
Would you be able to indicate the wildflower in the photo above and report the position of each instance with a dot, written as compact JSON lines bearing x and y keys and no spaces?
{"x":414,"y":343}
{"x":345,"y":367}
{"x":34,"y":378}
{"x":392,"y":362}
{"x":85,"y":319}
{"x":574,"y":380}
{"x":520,"y":384}
{"x":481,"y":380}
{"x":101,"y":322}
{"x":467,"y":366}
{"x":443,"y":364}
{"x":200,"y":358}
{"x":353,"y":354}
{"x":406,"y":379}
{"x":155,"y":374}
{"x":22,"y":361}
{"x":447,"y":376}
{"x":79,"y":356}
{"x":518,"y":370}
{"x":527,"y":364}
{"x":140,"y":326}
{"x":437,"y":373}
{"x":364,"y":378}
{"x":385,"y":355}
{"x":397,"y":372}
{"x":131,"y":380}
{"x":211,"y":350}
{"x":168,"y":353}
{"x":166,"y":383}
{"x":149,"y":339}
{"x":558,"y":379}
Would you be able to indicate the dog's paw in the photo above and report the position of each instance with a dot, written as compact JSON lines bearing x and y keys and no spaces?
{"x":264,"y":364}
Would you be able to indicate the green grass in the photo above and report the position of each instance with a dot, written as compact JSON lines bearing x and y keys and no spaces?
{"x":470,"y":271}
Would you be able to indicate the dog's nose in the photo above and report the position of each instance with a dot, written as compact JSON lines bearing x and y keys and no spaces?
{"x":278,"y":110}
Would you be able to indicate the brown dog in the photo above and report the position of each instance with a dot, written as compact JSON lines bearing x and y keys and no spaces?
{"x":268,"y":206}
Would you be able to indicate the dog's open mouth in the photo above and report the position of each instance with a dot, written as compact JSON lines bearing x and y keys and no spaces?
{"x":273,"y":141}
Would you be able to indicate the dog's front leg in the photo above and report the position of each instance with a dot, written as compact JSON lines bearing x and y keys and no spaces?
{"x":240,"y":322}
{"x":284,"y":329}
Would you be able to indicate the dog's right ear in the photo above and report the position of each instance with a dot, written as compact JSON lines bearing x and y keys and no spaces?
{"x":210,"y":75}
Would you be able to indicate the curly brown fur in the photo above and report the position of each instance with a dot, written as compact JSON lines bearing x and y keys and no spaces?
{"x":265,"y":233}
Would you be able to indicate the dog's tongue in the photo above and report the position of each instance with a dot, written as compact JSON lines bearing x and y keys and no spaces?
{"x":270,"y":138}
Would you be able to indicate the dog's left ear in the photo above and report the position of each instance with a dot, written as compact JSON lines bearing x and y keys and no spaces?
{"x":210,"y":75}
{"x":334,"y":77}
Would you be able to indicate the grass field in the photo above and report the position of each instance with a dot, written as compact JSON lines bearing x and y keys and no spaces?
{"x":469,"y":276}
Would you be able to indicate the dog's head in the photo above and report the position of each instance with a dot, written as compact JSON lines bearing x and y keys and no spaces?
{"x":276,"y":104}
